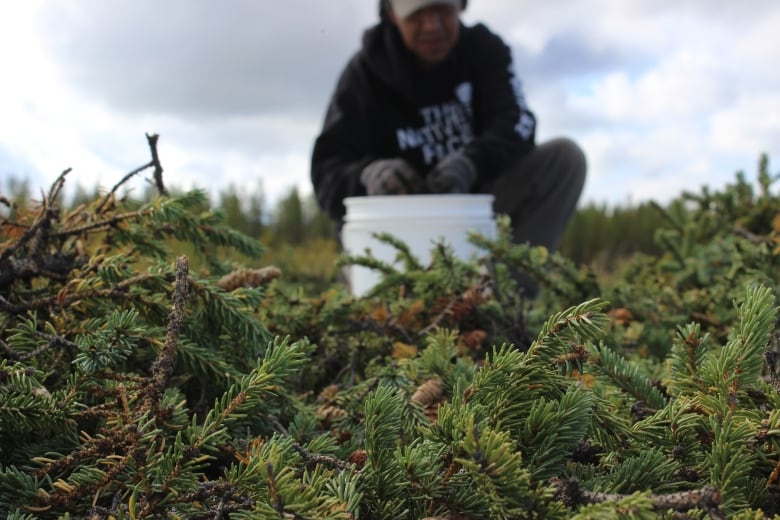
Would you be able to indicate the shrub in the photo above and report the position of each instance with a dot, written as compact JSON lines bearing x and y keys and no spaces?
{"x":133,"y":386}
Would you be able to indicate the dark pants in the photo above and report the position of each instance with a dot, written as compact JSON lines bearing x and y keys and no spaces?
{"x":540,"y":192}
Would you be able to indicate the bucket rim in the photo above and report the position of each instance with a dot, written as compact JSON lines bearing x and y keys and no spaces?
{"x":425,"y":198}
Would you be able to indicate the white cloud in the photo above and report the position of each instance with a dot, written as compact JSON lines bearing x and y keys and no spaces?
{"x":694,"y":107}
{"x":749,"y":124}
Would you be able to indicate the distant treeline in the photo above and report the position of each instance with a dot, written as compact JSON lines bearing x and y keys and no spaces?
{"x":598,"y":234}
{"x":603,"y":235}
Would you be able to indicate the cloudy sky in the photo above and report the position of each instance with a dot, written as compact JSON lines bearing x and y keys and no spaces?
{"x":663,"y":95}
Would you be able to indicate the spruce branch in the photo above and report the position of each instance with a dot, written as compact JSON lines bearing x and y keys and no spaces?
{"x":102,"y":225}
{"x":411,"y":262}
{"x":52,"y":341}
{"x":67,"y":495}
{"x":456,"y":307}
{"x":586,"y":315}
{"x":120,"y":290}
{"x":732,"y":459}
{"x":164,"y":364}
{"x":383,"y":473}
{"x":310,"y":459}
{"x":689,"y":351}
{"x":738,"y":365}
{"x":626,"y":376}
{"x":230,"y":499}
{"x":706,"y":498}
{"x":497,"y":468}
{"x":553,"y":430}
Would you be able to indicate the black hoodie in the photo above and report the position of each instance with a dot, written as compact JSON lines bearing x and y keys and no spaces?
{"x":386,"y":104}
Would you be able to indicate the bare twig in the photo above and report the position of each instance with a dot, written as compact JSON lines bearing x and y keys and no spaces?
{"x":229,"y":499}
{"x":158,"y":170}
{"x":706,"y":498}
{"x":124,"y":179}
{"x":101,"y":224}
{"x":43,"y":221}
{"x":745,"y":233}
{"x":164,"y":364}
{"x":51,"y":341}
{"x":771,"y":358}
{"x":153,"y":163}
{"x":57,"y":185}
{"x":310,"y":459}
{"x":119,"y":290}
{"x":441,"y":317}
{"x":56,"y":267}
{"x":13,"y":224}
{"x":8,"y":352}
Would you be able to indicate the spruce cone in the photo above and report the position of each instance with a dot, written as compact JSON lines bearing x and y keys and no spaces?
{"x":430,"y":395}
{"x":473,"y":339}
{"x":248,"y":278}
{"x":430,"y":392}
{"x":621,"y":316}
{"x":358,"y":458}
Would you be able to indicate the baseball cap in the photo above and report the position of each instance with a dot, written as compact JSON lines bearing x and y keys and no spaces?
{"x":403,"y":8}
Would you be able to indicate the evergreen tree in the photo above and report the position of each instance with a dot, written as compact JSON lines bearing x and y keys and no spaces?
{"x":289,"y":225}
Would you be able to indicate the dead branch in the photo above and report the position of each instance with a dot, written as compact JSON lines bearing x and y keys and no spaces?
{"x":158,"y":170}
{"x":117,"y":291}
{"x":162,"y":368}
{"x":8,"y":352}
{"x":153,"y":163}
{"x":43,"y":221}
{"x":745,"y":233}
{"x":56,"y":267}
{"x":706,"y":498}
{"x":124,"y":179}
{"x":102,"y":224}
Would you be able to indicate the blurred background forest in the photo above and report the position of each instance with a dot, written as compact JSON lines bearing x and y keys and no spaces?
{"x":299,"y":238}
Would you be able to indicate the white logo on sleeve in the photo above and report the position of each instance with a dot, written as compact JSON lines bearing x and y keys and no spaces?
{"x":517,"y":88}
{"x":525,"y":127}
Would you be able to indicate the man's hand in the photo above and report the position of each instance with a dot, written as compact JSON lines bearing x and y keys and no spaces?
{"x":453,"y":174}
{"x":391,"y":177}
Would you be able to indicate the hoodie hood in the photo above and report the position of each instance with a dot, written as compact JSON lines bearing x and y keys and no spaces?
{"x":384,"y":55}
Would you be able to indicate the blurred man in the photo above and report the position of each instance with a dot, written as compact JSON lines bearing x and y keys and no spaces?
{"x":429,"y":105}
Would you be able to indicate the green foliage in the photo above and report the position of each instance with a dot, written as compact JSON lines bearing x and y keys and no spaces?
{"x":602,"y":236}
{"x":133,"y":386}
{"x":720,"y":243}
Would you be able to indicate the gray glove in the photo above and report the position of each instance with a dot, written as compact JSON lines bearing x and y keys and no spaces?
{"x":453,"y":174}
{"x":391,"y":177}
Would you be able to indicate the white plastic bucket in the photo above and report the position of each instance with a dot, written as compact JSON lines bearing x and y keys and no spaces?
{"x":420,"y":221}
